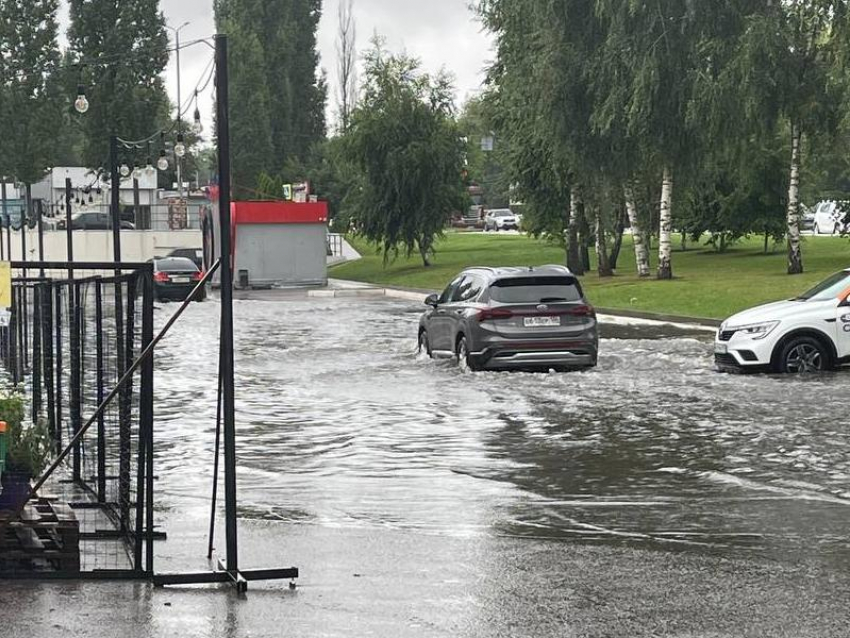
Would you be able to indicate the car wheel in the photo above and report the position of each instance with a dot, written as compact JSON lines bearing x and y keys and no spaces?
{"x":424,"y":346}
{"x":803,"y":355}
{"x":464,"y":361}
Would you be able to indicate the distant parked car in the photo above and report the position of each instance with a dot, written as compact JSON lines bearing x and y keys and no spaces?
{"x":501,"y":219}
{"x":810,"y":333}
{"x":174,"y":278}
{"x":512,"y":318}
{"x":807,"y":218}
{"x":93,"y":220}
{"x":195,"y":254}
{"x":829,"y":218}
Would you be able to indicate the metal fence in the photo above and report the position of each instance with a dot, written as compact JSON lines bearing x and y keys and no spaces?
{"x":158,"y":216}
{"x":73,"y":332}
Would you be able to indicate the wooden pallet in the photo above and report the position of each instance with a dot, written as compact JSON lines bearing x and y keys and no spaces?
{"x":46,"y":539}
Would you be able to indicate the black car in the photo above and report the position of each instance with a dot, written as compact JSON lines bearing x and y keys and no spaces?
{"x":93,"y":221}
{"x":195,"y":254}
{"x":174,"y":278}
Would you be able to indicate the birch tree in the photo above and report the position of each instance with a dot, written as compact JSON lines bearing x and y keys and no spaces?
{"x":793,"y":68}
{"x":638,"y":237}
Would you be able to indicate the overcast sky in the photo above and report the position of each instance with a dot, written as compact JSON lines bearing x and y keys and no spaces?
{"x":442,"y":33}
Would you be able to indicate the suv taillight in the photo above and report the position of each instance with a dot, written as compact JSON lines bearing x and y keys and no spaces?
{"x":161,"y":277}
{"x":494,"y":313}
{"x":583,"y":311}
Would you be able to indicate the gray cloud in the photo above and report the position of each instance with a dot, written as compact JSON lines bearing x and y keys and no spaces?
{"x":441,"y":33}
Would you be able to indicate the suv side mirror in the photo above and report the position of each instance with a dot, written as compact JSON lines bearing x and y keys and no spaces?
{"x":432,"y":300}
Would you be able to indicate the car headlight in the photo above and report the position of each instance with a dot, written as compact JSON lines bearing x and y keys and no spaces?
{"x":757,"y":330}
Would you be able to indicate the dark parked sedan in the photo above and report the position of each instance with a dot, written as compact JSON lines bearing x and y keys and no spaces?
{"x":92,"y":220}
{"x":512,"y":318}
{"x":174,"y":278}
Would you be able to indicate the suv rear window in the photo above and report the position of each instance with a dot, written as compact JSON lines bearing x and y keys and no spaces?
{"x":536,"y":290}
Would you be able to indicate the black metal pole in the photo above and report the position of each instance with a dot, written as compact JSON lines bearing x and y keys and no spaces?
{"x":37,"y":361}
{"x":59,"y":366}
{"x":101,"y":392}
{"x":136,"y":204}
{"x":146,"y":410}
{"x":4,"y":219}
{"x":25,"y":308}
{"x":13,"y":337}
{"x":40,"y":226}
{"x":76,"y":388}
{"x":227,"y":375}
{"x":115,"y":196}
{"x":47,"y":340}
{"x":8,"y":222}
{"x":69,"y":229}
{"x":25,"y":215}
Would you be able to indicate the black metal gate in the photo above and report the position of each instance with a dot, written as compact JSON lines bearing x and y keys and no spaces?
{"x":75,"y":330}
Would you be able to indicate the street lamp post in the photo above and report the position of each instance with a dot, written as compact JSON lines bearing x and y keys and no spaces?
{"x":179,"y":147}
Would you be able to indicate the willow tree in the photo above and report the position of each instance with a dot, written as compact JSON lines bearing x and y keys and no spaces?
{"x":405,"y":142}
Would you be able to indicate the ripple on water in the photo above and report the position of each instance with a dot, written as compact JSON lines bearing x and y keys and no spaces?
{"x":340,"y":423}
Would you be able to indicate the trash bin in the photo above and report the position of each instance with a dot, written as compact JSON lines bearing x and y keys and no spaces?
{"x":3,"y":435}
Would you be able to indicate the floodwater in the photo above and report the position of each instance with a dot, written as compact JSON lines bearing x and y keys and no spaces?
{"x":341,"y":424}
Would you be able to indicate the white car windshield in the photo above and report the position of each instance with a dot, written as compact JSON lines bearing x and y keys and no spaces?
{"x":830,"y":288}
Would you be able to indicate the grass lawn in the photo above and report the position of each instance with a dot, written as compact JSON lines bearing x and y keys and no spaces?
{"x":706,"y":284}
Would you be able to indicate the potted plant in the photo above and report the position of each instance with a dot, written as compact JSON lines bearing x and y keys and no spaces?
{"x":27,"y":453}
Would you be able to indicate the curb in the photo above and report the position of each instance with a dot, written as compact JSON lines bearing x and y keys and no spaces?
{"x":419,"y":294}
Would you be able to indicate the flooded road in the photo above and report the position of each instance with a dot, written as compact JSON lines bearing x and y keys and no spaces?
{"x":342,"y":425}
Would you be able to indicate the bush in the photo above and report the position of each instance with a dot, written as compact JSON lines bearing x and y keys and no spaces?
{"x":28,"y":446}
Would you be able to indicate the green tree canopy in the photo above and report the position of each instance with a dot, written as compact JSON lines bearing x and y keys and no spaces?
{"x":404,"y":140}
{"x":278,"y":110}
{"x":122,"y":49}
{"x":30,"y":111}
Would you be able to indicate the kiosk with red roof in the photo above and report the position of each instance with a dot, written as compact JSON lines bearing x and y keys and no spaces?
{"x":274,"y":243}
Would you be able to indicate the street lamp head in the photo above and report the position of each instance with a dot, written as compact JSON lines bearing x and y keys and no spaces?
{"x":180,"y":146}
{"x":81,"y":104}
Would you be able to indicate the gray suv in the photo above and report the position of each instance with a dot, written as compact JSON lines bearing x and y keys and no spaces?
{"x":512,"y":318}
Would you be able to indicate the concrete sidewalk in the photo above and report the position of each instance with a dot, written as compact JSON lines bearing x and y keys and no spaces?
{"x":390,"y":583}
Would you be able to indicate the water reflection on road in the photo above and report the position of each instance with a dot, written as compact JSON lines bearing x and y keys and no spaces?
{"x":341,"y":424}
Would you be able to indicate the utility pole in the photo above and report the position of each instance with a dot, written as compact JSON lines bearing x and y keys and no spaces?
{"x":178,"y":156}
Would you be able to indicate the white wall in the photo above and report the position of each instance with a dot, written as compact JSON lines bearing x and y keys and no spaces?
{"x":96,"y":245}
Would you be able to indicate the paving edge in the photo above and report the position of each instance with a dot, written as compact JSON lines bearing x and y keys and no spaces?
{"x":419,"y":294}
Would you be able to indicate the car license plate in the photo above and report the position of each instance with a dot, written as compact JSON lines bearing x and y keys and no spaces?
{"x":180,"y":280}
{"x":721,"y":348}
{"x":541,"y":322}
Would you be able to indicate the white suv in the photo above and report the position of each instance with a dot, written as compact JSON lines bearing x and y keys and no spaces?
{"x":810,"y":333}
{"x":829,"y":219}
{"x":501,"y":219}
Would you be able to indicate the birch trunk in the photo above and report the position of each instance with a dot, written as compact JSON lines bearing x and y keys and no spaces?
{"x":602,"y":259}
{"x":795,"y":252}
{"x":641,"y":252}
{"x":665,"y":260}
{"x":574,"y":261}
{"x":619,"y":230}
